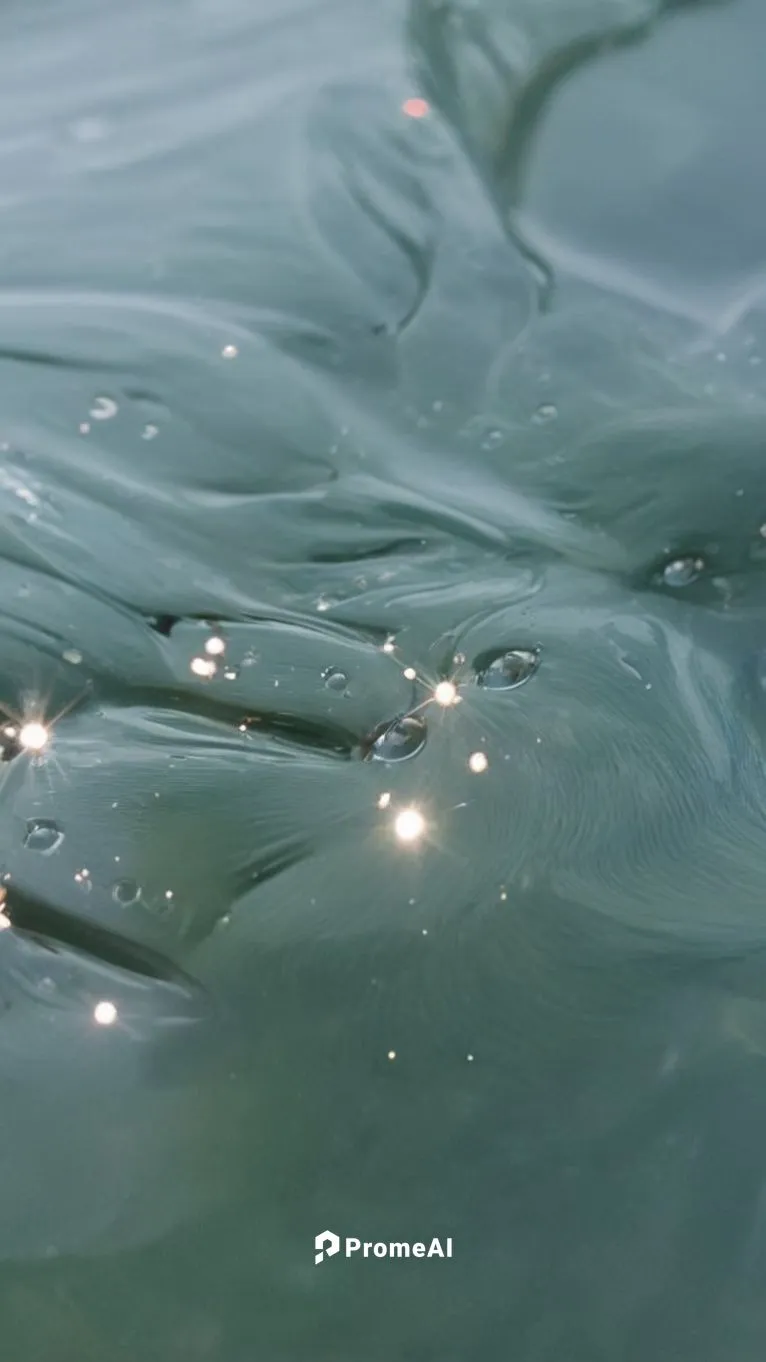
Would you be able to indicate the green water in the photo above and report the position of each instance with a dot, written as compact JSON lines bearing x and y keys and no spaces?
{"x":311,"y":399}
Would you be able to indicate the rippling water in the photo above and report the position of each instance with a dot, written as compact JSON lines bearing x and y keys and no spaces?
{"x":383,"y":534}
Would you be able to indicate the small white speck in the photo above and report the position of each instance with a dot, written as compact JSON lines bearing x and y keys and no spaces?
{"x":410,"y":673}
{"x":384,"y":800}
{"x":478,"y":762}
{"x":469,"y":1058}
{"x":392,"y":1054}
{"x":72,"y":655}
{"x":230,"y":352}
{"x":215,"y":645}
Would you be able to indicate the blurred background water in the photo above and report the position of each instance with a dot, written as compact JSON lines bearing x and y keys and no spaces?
{"x":383,"y":531}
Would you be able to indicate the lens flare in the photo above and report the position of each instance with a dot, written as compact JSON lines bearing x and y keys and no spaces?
{"x":34,"y":737}
{"x":409,"y":825}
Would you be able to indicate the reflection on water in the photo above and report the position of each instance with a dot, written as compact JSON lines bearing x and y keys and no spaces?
{"x":382,"y":408}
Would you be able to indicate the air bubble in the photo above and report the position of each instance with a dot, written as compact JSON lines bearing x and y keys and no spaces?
{"x":126,"y":892}
{"x":508,"y":670}
{"x":43,"y":835}
{"x":335,"y":680}
{"x":397,"y":740}
{"x":682,"y":571}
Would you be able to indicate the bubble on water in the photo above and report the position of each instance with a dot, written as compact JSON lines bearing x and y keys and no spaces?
{"x":126,"y":892}
{"x":72,"y":655}
{"x":231,"y":673}
{"x":397,"y":740}
{"x":335,"y":679}
{"x":250,"y":658}
{"x":324,"y":603}
{"x":682,"y":571}
{"x":103,"y":409}
{"x":43,"y":834}
{"x":83,"y":880}
{"x":507,"y":670}
{"x":545,"y":412}
{"x":149,"y":431}
{"x":230,"y":352}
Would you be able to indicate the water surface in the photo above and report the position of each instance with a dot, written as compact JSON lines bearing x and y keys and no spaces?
{"x":351,"y":350}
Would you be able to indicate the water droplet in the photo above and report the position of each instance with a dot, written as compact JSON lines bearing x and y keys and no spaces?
{"x":72,"y":655}
{"x":82,"y":878}
{"x":507,"y":670}
{"x":103,"y":409}
{"x":398,"y":740}
{"x":149,"y":431}
{"x":43,"y":835}
{"x":335,"y":679}
{"x":126,"y":892}
{"x":545,"y":412}
{"x":682,"y":571}
{"x":231,"y":673}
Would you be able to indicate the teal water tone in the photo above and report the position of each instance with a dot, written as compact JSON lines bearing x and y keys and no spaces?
{"x":383,"y":672}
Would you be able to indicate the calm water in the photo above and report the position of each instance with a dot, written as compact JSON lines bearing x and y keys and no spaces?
{"x":351,"y":349}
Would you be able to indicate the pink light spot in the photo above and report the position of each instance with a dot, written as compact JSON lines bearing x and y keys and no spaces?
{"x":416,"y":108}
